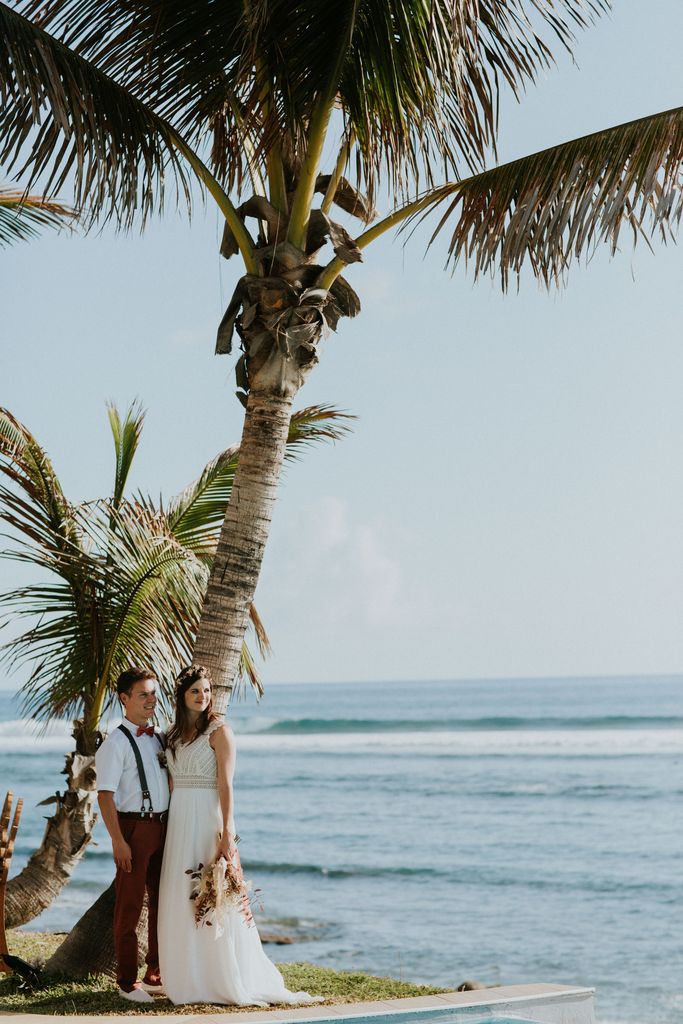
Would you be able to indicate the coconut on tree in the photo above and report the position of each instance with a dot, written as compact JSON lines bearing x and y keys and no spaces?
{"x":279,"y":110}
{"x":115,"y":581}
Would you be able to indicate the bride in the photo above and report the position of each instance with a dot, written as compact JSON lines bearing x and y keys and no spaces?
{"x":200,"y":963}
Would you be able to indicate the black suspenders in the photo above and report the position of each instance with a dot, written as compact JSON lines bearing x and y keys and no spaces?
{"x":146,"y":798}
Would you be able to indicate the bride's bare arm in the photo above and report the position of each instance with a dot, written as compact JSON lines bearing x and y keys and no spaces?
{"x":223,"y":744}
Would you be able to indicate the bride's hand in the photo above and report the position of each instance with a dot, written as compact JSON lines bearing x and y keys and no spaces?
{"x":226,"y":848}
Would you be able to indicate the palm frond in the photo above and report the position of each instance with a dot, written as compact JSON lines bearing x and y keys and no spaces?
{"x":419,"y":83}
{"x":22,"y":215}
{"x":150,"y":577}
{"x":183,"y":61}
{"x":260,"y":634}
{"x":195,"y":515}
{"x":316,"y":423}
{"x":135,"y":596}
{"x":155,"y":593}
{"x":247,"y":671}
{"x":126,"y":436}
{"x":62,"y":677}
{"x":43,"y":514}
{"x":561,"y":203}
{"x":64,"y":645}
{"x":62,"y":118}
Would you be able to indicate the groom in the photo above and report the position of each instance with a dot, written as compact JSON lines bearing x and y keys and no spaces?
{"x":132,"y":792}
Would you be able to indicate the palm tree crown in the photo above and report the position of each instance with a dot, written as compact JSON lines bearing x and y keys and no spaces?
{"x":125,"y":97}
{"x":281,"y":109}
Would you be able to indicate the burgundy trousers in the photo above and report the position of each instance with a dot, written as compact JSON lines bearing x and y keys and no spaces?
{"x":145,"y":836}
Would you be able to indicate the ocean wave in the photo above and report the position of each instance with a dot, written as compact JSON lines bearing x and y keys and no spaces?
{"x":349,"y":871}
{"x":95,"y":856}
{"x":467,"y":875}
{"x":493,"y":743}
{"x":553,"y":792}
{"x":24,"y":736}
{"x":498,"y":723}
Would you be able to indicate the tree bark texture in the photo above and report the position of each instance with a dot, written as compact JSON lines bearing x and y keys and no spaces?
{"x":89,"y":946}
{"x":243,"y":538}
{"x":67,"y":834}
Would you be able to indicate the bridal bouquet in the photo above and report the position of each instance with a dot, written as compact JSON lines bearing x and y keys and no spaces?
{"x":218,"y":889}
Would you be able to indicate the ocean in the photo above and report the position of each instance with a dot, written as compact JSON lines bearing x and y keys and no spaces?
{"x":508,"y":831}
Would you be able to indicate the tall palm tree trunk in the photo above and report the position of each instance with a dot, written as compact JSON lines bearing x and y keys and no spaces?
{"x":89,"y":947}
{"x":243,"y":538}
{"x":67,"y":834}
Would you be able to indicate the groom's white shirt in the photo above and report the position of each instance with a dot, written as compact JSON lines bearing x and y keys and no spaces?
{"x":117,"y":771}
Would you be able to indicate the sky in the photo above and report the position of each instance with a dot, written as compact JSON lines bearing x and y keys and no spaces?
{"x":510,"y":502}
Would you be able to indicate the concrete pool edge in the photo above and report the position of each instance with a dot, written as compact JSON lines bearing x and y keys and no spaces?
{"x":507,"y":995}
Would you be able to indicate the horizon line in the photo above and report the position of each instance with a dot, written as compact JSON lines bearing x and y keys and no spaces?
{"x":456,"y":680}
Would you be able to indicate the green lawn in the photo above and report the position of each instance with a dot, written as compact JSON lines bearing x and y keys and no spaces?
{"x":98,"y":995}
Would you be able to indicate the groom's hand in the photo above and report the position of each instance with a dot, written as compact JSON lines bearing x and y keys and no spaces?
{"x":123,"y":856}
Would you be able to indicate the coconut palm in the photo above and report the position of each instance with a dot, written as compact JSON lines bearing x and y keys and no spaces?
{"x":120,"y":581}
{"x":22,"y":215}
{"x":281,"y":109}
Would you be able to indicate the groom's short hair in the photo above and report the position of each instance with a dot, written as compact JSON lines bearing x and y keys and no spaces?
{"x":128,"y":679}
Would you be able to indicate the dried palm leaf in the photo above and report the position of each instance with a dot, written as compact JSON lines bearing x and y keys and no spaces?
{"x":22,"y":215}
{"x":561,"y":203}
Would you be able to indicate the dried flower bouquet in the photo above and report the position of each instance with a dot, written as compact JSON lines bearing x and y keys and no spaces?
{"x":218,"y":890}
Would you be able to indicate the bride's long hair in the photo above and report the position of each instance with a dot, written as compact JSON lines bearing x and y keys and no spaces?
{"x":187,"y":677}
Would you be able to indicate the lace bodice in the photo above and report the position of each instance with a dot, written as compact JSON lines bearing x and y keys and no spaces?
{"x":193,"y":765}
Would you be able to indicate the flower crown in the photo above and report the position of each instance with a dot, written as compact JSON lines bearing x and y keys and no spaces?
{"x":192,"y":673}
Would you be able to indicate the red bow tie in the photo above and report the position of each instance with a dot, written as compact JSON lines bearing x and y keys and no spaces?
{"x":142,"y":729}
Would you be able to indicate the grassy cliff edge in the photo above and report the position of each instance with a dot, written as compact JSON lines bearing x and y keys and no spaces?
{"x":98,"y":995}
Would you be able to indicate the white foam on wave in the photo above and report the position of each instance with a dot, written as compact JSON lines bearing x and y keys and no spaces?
{"x":257,"y":723}
{"x":24,"y":736}
{"x":558,"y":743}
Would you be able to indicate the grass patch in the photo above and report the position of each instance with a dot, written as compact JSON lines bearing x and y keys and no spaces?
{"x":99,"y":996}
{"x":35,"y":947}
{"x":349,"y":986}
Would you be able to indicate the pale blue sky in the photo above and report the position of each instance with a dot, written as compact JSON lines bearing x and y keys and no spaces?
{"x":511,"y":500}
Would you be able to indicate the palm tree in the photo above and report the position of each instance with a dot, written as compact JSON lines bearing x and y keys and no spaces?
{"x":21,"y":215}
{"x":121,"y":580}
{"x":268,"y":104}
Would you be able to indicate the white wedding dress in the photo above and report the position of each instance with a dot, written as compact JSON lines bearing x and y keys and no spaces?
{"x":196,"y":965}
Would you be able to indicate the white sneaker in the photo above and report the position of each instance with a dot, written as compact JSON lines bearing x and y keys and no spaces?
{"x":137,"y":995}
{"x":157,"y":989}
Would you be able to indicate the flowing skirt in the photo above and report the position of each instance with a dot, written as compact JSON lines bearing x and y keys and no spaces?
{"x":196,"y":965}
